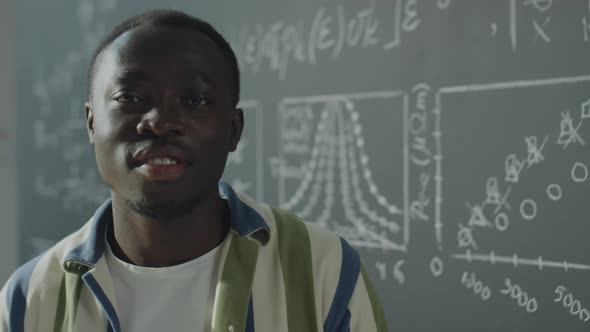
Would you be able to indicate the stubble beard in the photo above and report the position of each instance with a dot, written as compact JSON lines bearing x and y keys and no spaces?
{"x":163,"y":210}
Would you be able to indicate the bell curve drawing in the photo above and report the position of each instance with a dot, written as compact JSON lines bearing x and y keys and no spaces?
{"x":332,"y":175}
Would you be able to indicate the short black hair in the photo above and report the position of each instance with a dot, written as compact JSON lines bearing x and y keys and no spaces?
{"x":172,"y":19}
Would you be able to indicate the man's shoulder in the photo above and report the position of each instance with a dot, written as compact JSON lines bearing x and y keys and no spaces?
{"x":297,"y":235}
{"x":289,"y":225}
{"x":45,"y":270}
{"x":310,"y":254}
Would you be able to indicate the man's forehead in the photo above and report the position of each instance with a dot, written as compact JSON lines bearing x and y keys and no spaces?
{"x":136,"y":74}
{"x":157,"y":43}
{"x":138,"y":49}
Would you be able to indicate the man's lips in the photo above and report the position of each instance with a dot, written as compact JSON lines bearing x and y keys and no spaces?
{"x":162,"y":172}
{"x":165,"y":163}
{"x":153,"y":153}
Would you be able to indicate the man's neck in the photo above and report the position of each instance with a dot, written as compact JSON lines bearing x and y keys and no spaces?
{"x":151,"y":243}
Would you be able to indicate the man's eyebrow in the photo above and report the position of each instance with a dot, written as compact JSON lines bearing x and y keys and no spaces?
{"x":132,"y":75}
{"x":203,"y":78}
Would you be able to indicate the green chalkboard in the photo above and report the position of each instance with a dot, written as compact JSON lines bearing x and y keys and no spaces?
{"x":447,"y":140}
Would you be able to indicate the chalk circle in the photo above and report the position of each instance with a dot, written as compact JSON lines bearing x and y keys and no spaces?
{"x":465,"y":237}
{"x":501,"y":221}
{"x":584,"y":315}
{"x":574,"y":311}
{"x":554,"y":192}
{"x":576,"y":169}
{"x":568,"y":300}
{"x":477,"y":287}
{"x":515,"y":292}
{"x":357,"y":129}
{"x":486,"y":293}
{"x":350,"y":107}
{"x":532,"y":305}
{"x":542,"y":5}
{"x":436,"y":266}
{"x":528,"y":209}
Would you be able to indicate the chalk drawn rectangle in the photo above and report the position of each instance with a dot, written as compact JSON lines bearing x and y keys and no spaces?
{"x":488,"y":134}
{"x":245,"y":167}
{"x":337,"y":173}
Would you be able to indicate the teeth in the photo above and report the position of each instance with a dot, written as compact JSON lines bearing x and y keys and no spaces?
{"x":162,"y":161}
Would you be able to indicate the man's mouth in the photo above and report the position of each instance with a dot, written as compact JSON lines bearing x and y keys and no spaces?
{"x":162,"y":169}
{"x":162,"y":161}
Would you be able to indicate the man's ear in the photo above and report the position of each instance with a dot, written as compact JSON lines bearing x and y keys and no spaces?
{"x":237,"y":128}
{"x":89,"y":121}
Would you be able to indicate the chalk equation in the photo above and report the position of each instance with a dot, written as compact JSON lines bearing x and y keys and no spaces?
{"x":331,"y":31}
{"x":67,"y":177}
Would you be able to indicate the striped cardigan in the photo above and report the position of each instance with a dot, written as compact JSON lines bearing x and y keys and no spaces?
{"x":276,"y":273}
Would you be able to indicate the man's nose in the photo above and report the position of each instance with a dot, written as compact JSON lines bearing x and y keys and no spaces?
{"x":161,"y":121}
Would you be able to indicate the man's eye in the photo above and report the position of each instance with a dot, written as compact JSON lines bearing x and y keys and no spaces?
{"x":127,"y":98}
{"x":196,"y":101}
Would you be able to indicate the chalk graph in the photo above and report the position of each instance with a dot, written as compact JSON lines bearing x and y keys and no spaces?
{"x":516,"y":196}
{"x":326,"y":171}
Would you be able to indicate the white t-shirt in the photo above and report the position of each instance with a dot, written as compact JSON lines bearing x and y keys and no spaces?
{"x":176,"y":298}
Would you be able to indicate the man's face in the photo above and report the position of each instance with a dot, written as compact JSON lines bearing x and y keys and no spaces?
{"x":161,"y":119}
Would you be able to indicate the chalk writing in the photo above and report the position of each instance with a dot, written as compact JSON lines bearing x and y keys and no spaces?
{"x":569,"y":133}
{"x":470,"y":281}
{"x":396,"y":271}
{"x":579,"y":172}
{"x":330,"y":32}
{"x":516,"y":293}
{"x":436,"y":266}
{"x":573,"y":305}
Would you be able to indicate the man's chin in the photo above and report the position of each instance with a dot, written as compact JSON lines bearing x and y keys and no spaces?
{"x":161,"y":209}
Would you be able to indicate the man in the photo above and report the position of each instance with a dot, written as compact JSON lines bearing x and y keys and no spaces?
{"x":174,"y":249}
